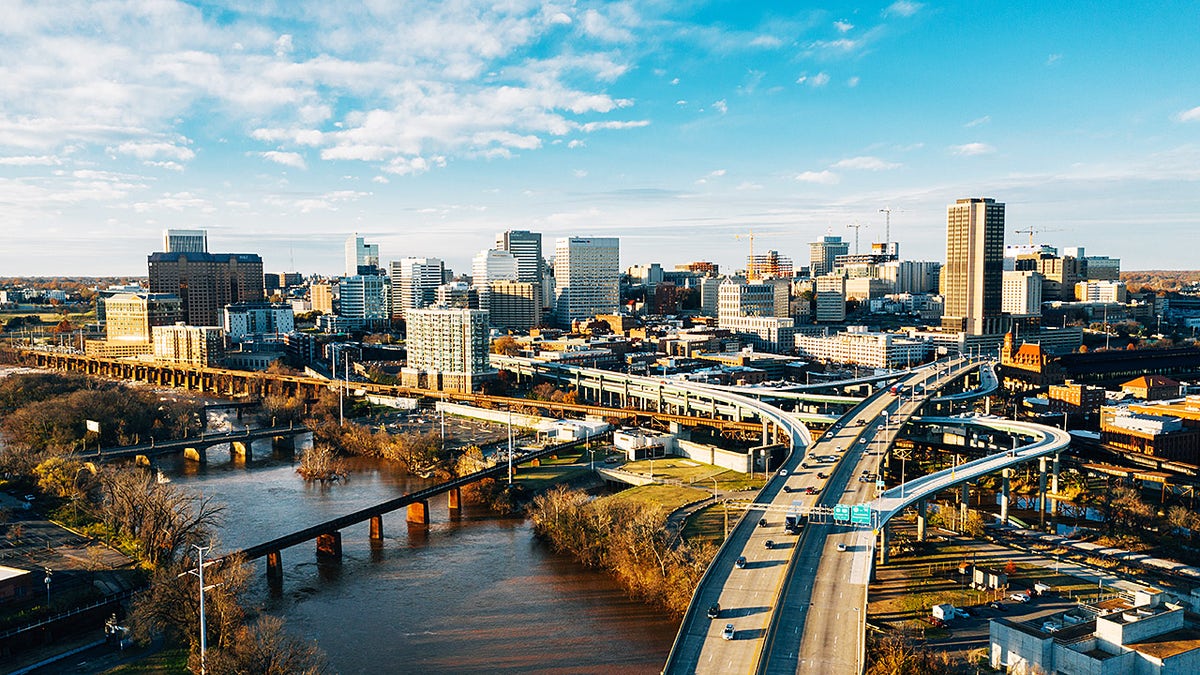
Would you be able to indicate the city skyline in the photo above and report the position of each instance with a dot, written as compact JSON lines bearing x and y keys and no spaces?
{"x":428,"y":129}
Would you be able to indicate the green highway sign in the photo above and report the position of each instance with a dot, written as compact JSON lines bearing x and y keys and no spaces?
{"x":841,"y":512}
{"x":860,"y":514}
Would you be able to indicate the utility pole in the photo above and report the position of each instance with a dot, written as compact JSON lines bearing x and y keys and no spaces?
{"x":199,"y":572}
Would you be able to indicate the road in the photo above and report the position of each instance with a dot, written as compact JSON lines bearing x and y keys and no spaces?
{"x":819,"y":624}
{"x":748,"y":596}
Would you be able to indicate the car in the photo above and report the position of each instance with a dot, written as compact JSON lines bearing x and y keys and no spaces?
{"x":769,"y":544}
{"x":762,"y":522}
{"x":963,"y":613}
{"x":862,"y":423}
{"x":822,"y":476}
{"x":936,"y":622}
{"x":861,"y":441}
{"x":787,"y":489}
{"x":1019,"y":597}
{"x":810,"y":490}
{"x":29,"y":498}
{"x":740,"y":563}
{"x":803,"y":465}
{"x":997,"y":606}
{"x":727,"y":634}
{"x":714,"y":610}
{"x":862,"y":479}
{"x":841,"y":547}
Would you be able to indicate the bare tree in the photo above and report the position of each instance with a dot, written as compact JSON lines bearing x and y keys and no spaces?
{"x":161,"y":519}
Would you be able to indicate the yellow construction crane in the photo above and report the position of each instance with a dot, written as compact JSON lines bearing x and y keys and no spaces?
{"x":1032,"y":232}
{"x":751,"y":268}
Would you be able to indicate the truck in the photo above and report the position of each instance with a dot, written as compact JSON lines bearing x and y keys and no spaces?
{"x":945,"y":612}
{"x":795,"y":519}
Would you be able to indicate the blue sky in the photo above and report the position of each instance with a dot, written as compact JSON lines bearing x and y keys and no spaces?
{"x":283,"y":127}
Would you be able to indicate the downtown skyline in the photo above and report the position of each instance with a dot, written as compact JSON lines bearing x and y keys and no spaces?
{"x":673,"y":126}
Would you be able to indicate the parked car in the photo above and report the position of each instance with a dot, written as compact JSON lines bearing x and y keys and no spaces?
{"x":714,"y":610}
{"x":997,"y":606}
{"x":936,"y":622}
{"x":740,"y":563}
{"x":727,"y":634}
{"x":762,"y":522}
{"x":1019,"y":597}
{"x":769,"y":544}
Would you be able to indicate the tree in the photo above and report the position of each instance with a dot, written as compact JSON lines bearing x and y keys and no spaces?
{"x":160,"y":520}
{"x":263,"y":648}
{"x":506,"y":345}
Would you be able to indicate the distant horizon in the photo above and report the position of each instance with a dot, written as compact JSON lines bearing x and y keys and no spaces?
{"x":427,"y":127}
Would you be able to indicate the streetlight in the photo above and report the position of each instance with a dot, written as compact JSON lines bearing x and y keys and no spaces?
{"x":49,"y":572}
{"x":199,"y":572}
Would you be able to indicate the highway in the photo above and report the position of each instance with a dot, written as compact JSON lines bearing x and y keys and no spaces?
{"x":819,"y":623}
{"x":748,"y":596}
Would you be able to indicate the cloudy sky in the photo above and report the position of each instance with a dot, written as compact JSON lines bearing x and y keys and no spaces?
{"x":282,"y":127}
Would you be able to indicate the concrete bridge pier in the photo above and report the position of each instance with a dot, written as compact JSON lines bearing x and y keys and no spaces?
{"x":275,"y":568}
{"x":964,"y":502}
{"x":1006,"y":475}
{"x":199,"y":454}
{"x":242,"y":449}
{"x":418,"y":514}
{"x":455,"y":503}
{"x":1054,"y":487}
{"x":329,"y":546}
{"x":922,"y":508}
{"x":376,"y":531}
{"x":1041,"y":493}
{"x":885,"y":541}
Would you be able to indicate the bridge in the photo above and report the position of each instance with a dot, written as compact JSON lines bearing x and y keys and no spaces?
{"x":328,"y":534}
{"x":819,"y":624}
{"x":241,"y":443}
{"x":751,"y":594}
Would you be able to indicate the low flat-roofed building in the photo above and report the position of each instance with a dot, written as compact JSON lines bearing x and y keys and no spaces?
{"x":1152,"y":388}
{"x":1074,"y":398}
{"x":1157,"y":435}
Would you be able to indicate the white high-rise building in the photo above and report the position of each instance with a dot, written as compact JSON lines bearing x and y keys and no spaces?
{"x":414,"y":284}
{"x":1021,"y":293}
{"x":494,"y":265}
{"x":361,"y":258}
{"x":587,"y":277}
{"x":447,"y":347}
{"x":256,"y":319}
{"x":364,"y":300}
{"x":830,"y":293}
{"x":911,"y":276}
{"x":185,"y":241}
{"x":526,"y":247}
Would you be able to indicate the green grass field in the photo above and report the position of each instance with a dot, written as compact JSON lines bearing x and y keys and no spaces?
{"x":670,"y":497}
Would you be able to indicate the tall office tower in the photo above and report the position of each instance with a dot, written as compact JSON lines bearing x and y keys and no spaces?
{"x":414,"y":284}
{"x":829,"y":291}
{"x":206,"y":282}
{"x":821,"y":254}
{"x":321,"y":296}
{"x":185,"y":241}
{"x":526,"y":247}
{"x":514,"y":305}
{"x":973,"y":276}
{"x":911,"y":276}
{"x":492,"y":265}
{"x":364,"y":300}
{"x":361,"y":258}
{"x":1021,"y":293}
{"x":587,"y":276}
{"x":447,"y":344}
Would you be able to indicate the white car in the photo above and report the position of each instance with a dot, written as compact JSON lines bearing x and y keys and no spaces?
{"x":841,"y":547}
{"x":1019,"y":597}
{"x":727,"y":634}
{"x":783,"y":472}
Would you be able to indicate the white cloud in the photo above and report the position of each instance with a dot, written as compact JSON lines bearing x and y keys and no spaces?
{"x":576,"y":143}
{"x":1053,"y":59}
{"x":1192,"y":115}
{"x":843,"y":26}
{"x":978,"y":121}
{"x":613,"y":124}
{"x":155,"y":150}
{"x":819,"y":177}
{"x":766,"y":41}
{"x":291,"y":159}
{"x":747,"y":185}
{"x":720,"y":106}
{"x":30,"y":160}
{"x":903,"y":8}
{"x":852,"y":82}
{"x":819,"y":80}
{"x":865,"y":163}
{"x":283,"y":46}
{"x":579,"y":173}
{"x":380,"y":179}
{"x":972,"y":149}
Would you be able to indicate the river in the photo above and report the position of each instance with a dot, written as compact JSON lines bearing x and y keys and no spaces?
{"x":477,"y":595}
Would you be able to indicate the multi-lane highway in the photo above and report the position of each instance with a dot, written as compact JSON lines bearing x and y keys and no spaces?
{"x":818,"y":624}
{"x":748,"y":596}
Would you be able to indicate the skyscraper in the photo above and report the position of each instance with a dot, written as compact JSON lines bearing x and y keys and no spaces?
{"x":587,"y":276}
{"x":821,"y":254}
{"x":526,"y":247}
{"x":206,"y":282}
{"x":414,"y":284}
{"x":361,"y":258}
{"x":364,"y":300}
{"x":973,"y":277}
{"x":447,"y":348}
{"x":185,"y":241}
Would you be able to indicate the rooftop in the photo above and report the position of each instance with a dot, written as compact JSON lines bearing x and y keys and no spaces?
{"x":1169,"y":644}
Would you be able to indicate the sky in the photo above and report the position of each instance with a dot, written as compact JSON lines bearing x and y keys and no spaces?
{"x":677,"y":125}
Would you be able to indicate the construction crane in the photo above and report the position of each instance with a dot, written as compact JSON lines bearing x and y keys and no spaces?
{"x":1032,"y":232}
{"x":751,"y":268}
{"x":857,"y":227}
{"x":887,"y":223}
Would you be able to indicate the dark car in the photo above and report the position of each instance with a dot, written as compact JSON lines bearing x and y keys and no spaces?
{"x":740,"y":563}
{"x":997,"y":606}
{"x":714,"y":610}
{"x":822,"y":476}
{"x":810,"y":490}
{"x":762,"y":522}
{"x":769,"y":544}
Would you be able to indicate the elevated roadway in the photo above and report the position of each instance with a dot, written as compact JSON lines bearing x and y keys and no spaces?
{"x":748,"y":597}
